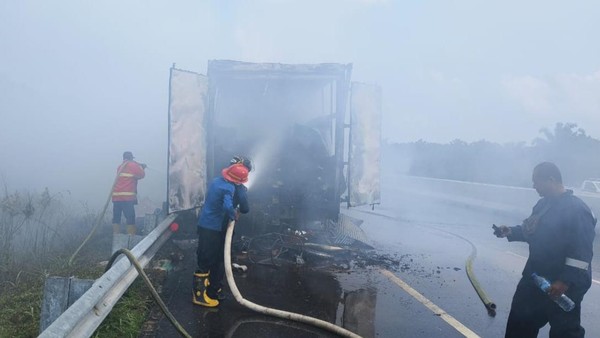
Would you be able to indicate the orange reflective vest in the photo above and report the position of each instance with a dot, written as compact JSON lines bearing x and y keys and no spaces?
{"x":125,"y":188}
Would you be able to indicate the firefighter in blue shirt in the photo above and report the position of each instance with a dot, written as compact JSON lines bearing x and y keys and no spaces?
{"x":226,"y":197}
{"x":560,"y":233}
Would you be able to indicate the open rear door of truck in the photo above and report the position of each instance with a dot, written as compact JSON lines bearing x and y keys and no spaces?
{"x":365,"y":145}
{"x":188,"y":105}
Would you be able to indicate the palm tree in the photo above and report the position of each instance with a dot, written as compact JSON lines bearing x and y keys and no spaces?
{"x":563,"y":133}
{"x":575,"y":152}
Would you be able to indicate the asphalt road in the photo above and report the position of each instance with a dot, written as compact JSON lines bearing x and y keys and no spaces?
{"x":440,"y":233}
{"x":422,"y":290}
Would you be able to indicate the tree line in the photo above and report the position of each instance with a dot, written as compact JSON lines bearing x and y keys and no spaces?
{"x":567,"y":145}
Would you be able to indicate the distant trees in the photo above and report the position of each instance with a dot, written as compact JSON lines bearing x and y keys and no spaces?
{"x":576,"y":153}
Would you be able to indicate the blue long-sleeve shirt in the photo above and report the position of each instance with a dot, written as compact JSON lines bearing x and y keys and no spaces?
{"x":561,"y":240}
{"x":221,"y":200}
{"x":240,"y":198}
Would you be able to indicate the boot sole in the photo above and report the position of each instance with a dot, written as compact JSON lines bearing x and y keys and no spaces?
{"x":197,"y":302}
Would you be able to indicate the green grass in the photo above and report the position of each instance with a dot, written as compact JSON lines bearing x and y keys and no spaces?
{"x":20,"y":311}
{"x":20,"y":304}
{"x":127,"y":317}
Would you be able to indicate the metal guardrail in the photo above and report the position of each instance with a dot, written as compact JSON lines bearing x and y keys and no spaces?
{"x":85,"y":315}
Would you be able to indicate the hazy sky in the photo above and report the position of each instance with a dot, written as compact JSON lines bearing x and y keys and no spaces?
{"x":82,"y":81}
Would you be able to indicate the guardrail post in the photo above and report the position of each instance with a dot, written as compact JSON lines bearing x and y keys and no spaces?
{"x":150,"y":222}
{"x":124,"y":241}
{"x":84,"y":316}
{"x":59,"y":294}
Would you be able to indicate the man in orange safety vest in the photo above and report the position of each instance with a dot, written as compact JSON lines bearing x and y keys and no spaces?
{"x":124,"y":193}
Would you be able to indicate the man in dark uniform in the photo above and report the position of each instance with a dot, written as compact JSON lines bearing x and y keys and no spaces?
{"x":226,"y":197}
{"x":560,"y":234}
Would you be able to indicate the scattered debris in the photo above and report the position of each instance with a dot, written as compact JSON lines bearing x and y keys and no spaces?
{"x":162,"y":264}
{"x":186,"y":244}
{"x":239,"y":268}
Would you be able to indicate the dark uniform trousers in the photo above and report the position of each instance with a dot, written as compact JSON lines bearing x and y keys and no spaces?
{"x":532,"y":309}
{"x":126,"y":208}
{"x":211,"y":245}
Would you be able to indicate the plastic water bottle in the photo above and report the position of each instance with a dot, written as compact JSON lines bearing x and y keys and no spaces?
{"x":564,"y":302}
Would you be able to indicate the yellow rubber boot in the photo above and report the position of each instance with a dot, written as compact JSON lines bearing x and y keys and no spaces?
{"x":220,"y":295}
{"x":116,"y":228}
{"x":199,"y":296}
{"x":131,"y":229}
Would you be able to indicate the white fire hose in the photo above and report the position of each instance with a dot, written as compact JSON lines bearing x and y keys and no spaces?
{"x":269,"y":311}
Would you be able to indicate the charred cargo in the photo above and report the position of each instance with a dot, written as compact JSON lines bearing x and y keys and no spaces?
{"x":312,"y":134}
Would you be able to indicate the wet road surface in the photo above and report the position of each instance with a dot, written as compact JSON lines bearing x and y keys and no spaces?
{"x":419,"y":287}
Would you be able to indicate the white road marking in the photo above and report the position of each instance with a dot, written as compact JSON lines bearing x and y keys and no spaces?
{"x":465,"y":331}
{"x":517,"y":255}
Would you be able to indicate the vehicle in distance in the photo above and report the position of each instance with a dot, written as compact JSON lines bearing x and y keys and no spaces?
{"x":591,"y":185}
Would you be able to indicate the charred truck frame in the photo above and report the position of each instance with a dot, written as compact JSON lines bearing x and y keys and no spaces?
{"x":312,"y":134}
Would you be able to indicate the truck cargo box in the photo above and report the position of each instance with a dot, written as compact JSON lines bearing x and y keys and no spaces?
{"x":313,"y":137}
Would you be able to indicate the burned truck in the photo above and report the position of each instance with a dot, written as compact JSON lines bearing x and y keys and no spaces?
{"x":312,"y":134}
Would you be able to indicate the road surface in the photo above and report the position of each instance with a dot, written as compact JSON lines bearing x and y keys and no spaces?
{"x":419,"y":287}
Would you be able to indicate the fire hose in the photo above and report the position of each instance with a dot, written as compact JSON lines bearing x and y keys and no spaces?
{"x":234,"y":290}
{"x":490,"y":306}
{"x":153,"y":291}
{"x":270,"y":311}
{"x":98,"y":218}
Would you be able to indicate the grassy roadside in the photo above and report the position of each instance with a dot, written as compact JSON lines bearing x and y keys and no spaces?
{"x":39,"y":233}
{"x":20,"y":304}
{"x":20,"y":310}
{"x":127,"y":317}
